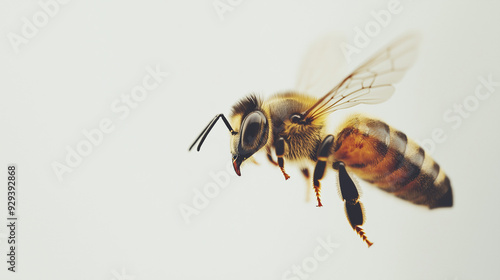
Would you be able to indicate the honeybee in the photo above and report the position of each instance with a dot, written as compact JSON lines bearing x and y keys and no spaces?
{"x":292,"y":126}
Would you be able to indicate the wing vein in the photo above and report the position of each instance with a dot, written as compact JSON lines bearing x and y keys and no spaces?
{"x":370,"y":83}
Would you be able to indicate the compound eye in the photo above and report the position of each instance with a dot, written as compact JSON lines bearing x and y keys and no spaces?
{"x":295,"y":118}
{"x":253,"y":128}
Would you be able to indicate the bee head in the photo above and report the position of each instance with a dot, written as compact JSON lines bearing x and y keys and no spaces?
{"x":252,"y":128}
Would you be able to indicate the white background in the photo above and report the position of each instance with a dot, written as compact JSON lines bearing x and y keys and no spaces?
{"x":116,"y":215}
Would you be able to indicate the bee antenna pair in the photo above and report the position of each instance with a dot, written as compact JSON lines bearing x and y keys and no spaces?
{"x":208,"y":128}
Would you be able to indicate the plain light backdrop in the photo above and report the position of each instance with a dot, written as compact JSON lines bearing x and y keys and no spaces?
{"x":117,"y":214}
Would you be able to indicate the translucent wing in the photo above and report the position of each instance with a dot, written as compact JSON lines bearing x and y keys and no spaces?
{"x":323,"y":66}
{"x":372,"y":82}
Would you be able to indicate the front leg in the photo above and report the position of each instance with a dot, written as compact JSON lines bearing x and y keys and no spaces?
{"x":280,"y":151}
{"x":270,"y":157}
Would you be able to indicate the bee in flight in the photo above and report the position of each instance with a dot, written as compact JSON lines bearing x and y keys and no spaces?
{"x":292,"y":126}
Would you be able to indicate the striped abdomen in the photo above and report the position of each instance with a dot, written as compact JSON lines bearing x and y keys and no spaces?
{"x":385,"y":157}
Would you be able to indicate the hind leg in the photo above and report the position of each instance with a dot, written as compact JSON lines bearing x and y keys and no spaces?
{"x":350,"y":195}
{"x":353,"y":207}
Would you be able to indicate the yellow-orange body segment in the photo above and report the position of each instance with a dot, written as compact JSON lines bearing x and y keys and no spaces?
{"x":387,"y":158}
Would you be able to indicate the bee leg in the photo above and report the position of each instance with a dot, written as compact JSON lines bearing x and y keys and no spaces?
{"x":305,"y":172}
{"x":319,"y":170}
{"x":280,"y":151}
{"x":270,"y":157}
{"x":353,"y":207}
{"x":252,"y":159}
